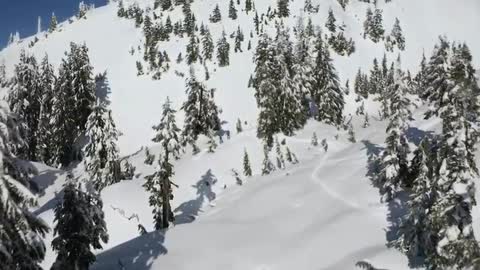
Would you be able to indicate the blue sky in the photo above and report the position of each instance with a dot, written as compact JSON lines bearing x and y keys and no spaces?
{"x":21,"y":15}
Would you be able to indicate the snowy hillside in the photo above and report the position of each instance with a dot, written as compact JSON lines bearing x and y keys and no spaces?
{"x":323,"y":212}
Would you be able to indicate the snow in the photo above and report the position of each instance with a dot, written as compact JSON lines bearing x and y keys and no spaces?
{"x":322,"y":213}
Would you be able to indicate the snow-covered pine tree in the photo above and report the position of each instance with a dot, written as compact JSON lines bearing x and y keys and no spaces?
{"x":394,"y":174}
{"x":398,"y":35}
{"x":368,"y":23}
{"x":53,"y":24}
{"x":343,"y":3}
{"x":149,"y":157}
{"x":82,"y":10}
{"x":207,"y":45}
{"x":330,"y":24}
{"x":452,"y":212}
{"x":436,"y":77}
{"x":25,"y":101}
{"x":420,"y":78}
{"x":277,"y":96}
{"x":101,"y":151}
{"x":193,"y":51}
{"x":327,"y":95}
{"x":223,"y":51}
{"x":232,"y":11}
{"x":267,"y":165}
{"x":216,"y":15}
{"x":377,"y":29}
{"x":303,"y":66}
{"x":45,"y":128}
{"x":80,"y":226}
{"x":22,"y":246}
{"x":366,"y":121}
{"x":73,"y":102}
{"x":248,"y":6}
{"x":282,"y":8}
{"x":247,"y":169}
{"x":167,"y":132}
{"x":201,"y":112}
{"x":325,"y":145}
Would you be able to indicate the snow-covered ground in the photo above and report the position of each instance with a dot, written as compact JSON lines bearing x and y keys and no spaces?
{"x":322,"y":213}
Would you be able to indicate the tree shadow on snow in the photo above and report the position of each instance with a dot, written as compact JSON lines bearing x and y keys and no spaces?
{"x":188,"y":211}
{"x":416,"y":135}
{"x":397,"y":207}
{"x":136,"y":254}
{"x":102,"y":88}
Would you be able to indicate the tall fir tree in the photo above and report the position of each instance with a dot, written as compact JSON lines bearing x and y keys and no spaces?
{"x":201,"y":112}
{"x":327,"y":93}
{"x":45,"y":127}
{"x":330,"y":24}
{"x":79,"y":227}
{"x":216,"y":15}
{"x":283,"y":8}
{"x":397,"y":35}
{"x":207,"y":45}
{"x":73,"y":103}
{"x":159,"y":184}
{"x":21,"y":231}
{"x":223,"y":51}
{"x":394,"y":174}
{"x":53,"y":24}
{"x":247,"y":169}
{"x":193,"y":50}
{"x":101,"y":151}
{"x":452,"y":212}
{"x":232,"y":11}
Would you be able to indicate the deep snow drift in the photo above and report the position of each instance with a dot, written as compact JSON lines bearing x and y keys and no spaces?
{"x":322,"y":213}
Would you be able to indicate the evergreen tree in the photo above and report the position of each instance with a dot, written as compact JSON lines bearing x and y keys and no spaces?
{"x":256,"y":21}
{"x":160,"y":184}
{"x":166,"y":4}
{"x":25,"y":101}
{"x":452,"y":211}
{"x":73,"y":102}
{"x":232,"y":11}
{"x":149,"y":157}
{"x":283,"y":9}
{"x":53,"y":24}
{"x":193,"y":51}
{"x":398,"y":35}
{"x":247,"y":169}
{"x":167,"y":131}
{"x":21,"y":231}
{"x":376,"y":82}
{"x":394,"y":173}
{"x":343,"y":3}
{"x":216,"y":15}
{"x":436,"y":78}
{"x":267,"y":165}
{"x":277,"y":97}
{"x":223,"y":51}
{"x":82,"y":10}
{"x":201,"y":112}
{"x":80,"y":226}
{"x":351,"y":133}
{"x":366,"y":121}
{"x":207,"y":45}
{"x":248,"y":5}
{"x":121,"y":9}
{"x":327,"y":93}
{"x":101,"y":151}
{"x":45,"y":128}
{"x":330,"y":24}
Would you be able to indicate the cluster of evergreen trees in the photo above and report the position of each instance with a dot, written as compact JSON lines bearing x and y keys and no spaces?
{"x":295,"y":83}
{"x":57,"y":114}
{"x":440,"y":177}
{"x":53,"y":109}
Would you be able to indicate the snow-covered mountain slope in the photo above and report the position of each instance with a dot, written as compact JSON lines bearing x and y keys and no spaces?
{"x":322,"y":213}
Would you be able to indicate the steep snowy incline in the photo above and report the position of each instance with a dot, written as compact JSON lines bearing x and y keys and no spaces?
{"x":322,"y":213}
{"x":136,"y":100}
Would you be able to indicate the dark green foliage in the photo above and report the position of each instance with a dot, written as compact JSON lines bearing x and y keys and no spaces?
{"x":80,"y":226}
